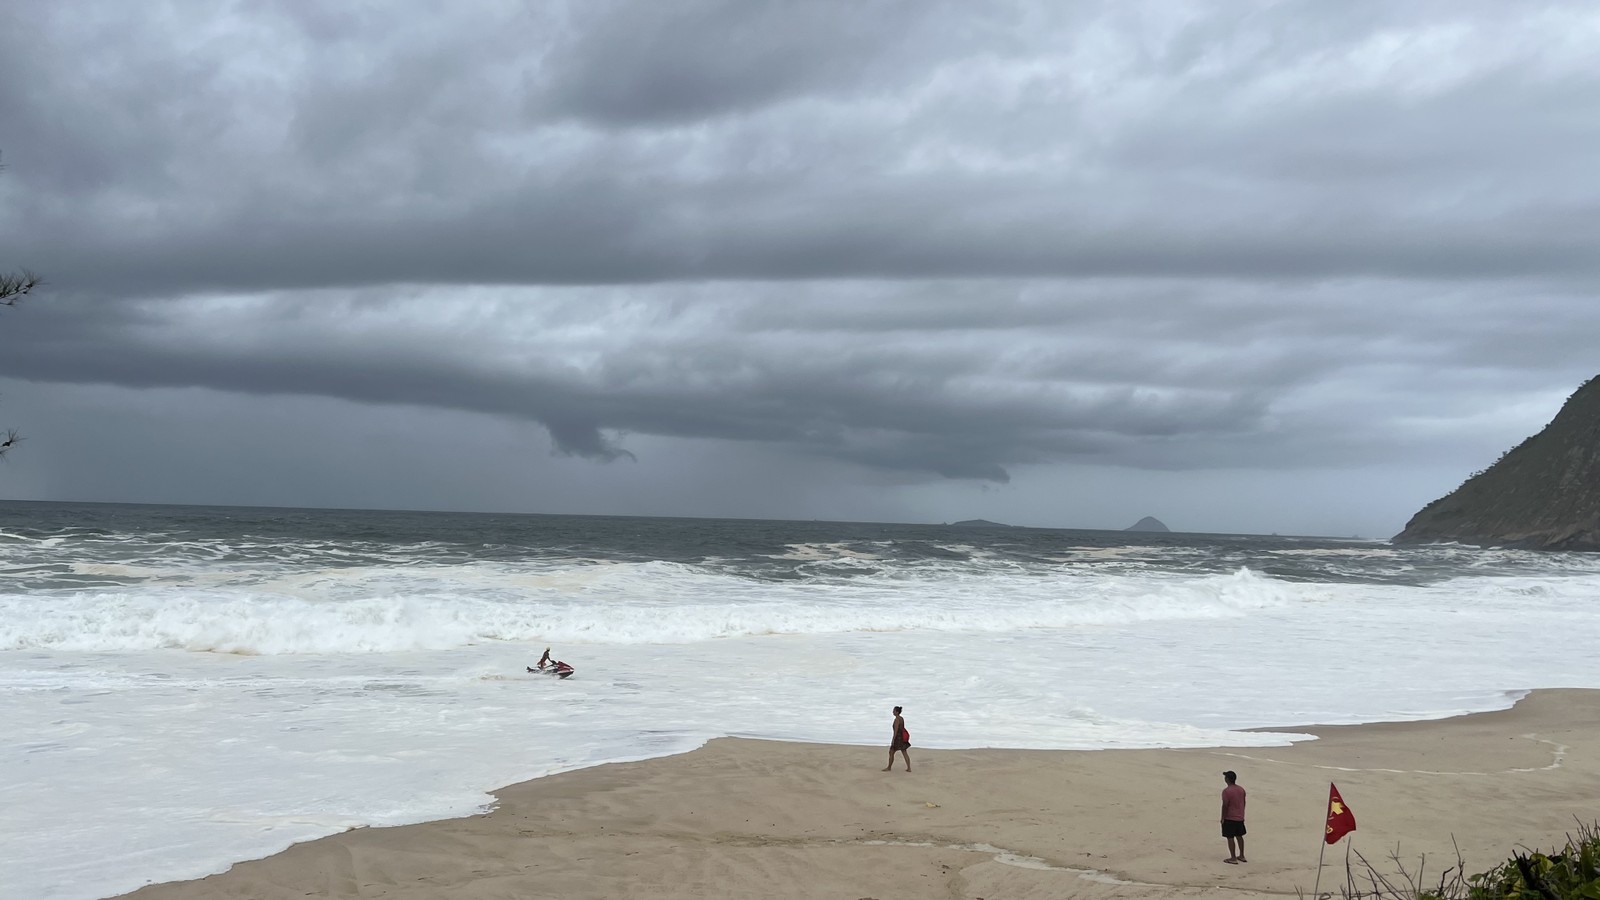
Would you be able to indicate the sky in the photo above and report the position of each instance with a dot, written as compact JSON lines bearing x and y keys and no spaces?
{"x":1293,"y":267}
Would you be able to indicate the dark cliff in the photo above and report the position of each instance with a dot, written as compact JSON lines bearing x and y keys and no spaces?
{"x":1542,"y":494}
{"x":1148,"y":523}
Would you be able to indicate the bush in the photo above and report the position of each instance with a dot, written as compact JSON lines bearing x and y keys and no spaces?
{"x":1569,"y":873}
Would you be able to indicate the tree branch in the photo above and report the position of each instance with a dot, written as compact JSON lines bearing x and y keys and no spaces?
{"x":15,"y":287}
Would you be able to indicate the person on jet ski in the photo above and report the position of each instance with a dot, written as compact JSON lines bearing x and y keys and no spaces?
{"x":556,"y":665}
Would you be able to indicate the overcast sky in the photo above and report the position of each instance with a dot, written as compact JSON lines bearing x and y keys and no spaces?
{"x":1252,"y":266}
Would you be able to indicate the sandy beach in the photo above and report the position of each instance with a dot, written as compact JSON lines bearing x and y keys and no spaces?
{"x":745,"y":818}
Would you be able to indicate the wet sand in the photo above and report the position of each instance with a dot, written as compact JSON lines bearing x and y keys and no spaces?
{"x":744,"y":818}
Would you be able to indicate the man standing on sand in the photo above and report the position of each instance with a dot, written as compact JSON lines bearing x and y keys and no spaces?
{"x":899,"y":739}
{"x":1232,"y":818}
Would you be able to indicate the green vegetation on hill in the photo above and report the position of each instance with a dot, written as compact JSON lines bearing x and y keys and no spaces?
{"x":1542,"y":494}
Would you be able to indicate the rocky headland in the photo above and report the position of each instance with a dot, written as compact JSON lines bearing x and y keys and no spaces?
{"x":1542,"y":494}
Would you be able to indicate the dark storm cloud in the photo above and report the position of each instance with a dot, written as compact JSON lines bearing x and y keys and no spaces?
{"x":181,"y":150}
{"x":629,"y":64}
{"x":899,"y":378}
{"x":926,"y":238}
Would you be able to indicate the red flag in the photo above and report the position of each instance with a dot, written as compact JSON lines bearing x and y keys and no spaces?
{"x":1341,"y":821}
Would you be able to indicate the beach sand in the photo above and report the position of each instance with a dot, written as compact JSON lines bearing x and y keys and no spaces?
{"x":746,"y":818}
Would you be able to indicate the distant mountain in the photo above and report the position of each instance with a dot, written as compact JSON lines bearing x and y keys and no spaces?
{"x":979,"y":523}
{"x":1148,"y":523}
{"x":1542,"y":494}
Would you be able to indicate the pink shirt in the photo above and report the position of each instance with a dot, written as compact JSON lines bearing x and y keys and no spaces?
{"x":1233,"y":803}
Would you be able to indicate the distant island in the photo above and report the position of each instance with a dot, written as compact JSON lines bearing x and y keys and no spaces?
{"x":1148,"y":523}
{"x":1543,"y":494}
{"x":978,"y":523}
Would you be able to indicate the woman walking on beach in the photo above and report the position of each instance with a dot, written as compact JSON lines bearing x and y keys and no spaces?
{"x":899,"y":739}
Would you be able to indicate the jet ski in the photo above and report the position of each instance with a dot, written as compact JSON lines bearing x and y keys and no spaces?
{"x":557,"y":668}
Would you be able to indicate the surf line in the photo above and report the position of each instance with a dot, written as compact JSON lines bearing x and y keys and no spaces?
{"x":1558,"y":756}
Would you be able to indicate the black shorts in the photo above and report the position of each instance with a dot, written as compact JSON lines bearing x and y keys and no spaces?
{"x":1232,"y":829}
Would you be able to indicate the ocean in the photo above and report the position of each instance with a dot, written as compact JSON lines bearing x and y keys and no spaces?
{"x":186,"y":687}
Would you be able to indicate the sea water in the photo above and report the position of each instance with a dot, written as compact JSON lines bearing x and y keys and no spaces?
{"x":182,"y":688}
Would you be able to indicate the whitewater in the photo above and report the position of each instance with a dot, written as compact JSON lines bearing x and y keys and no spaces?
{"x":184,"y":687}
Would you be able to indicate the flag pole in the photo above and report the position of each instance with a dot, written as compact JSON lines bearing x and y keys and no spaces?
{"x":1318,"y":884}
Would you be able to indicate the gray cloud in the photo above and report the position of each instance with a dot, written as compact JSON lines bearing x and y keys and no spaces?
{"x":617,"y":64}
{"x":626,"y":143}
{"x":920,"y":241}
{"x":1152,"y":376}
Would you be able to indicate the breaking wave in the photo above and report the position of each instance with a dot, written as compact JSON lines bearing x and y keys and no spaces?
{"x":645,"y":603}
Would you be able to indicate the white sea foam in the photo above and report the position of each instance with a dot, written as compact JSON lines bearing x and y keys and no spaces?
{"x":362,"y":611}
{"x":390,"y":688}
{"x":826,"y":551}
